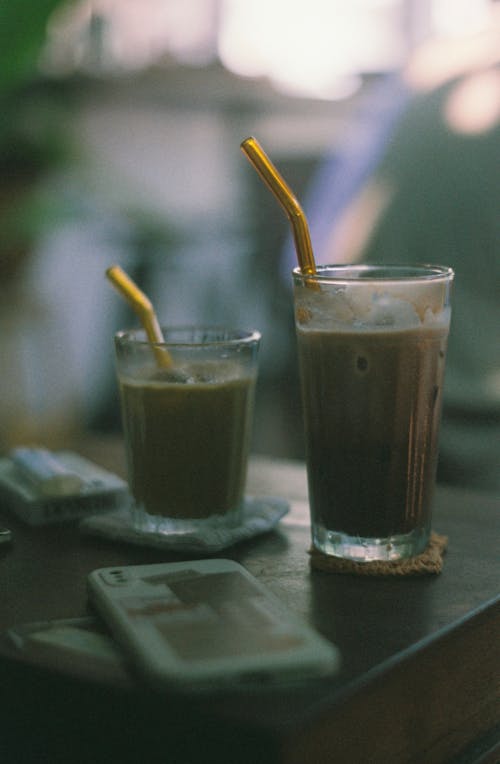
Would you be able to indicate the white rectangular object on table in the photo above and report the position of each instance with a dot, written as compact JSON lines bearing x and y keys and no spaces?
{"x":206,"y":624}
{"x":41,"y":502}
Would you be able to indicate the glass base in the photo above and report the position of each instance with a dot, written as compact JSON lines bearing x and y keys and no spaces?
{"x":146,"y":523}
{"x":360,"y":549}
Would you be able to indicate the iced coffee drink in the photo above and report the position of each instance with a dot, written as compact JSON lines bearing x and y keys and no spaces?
{"x":372,"y":345}
{"x":187,"y":427}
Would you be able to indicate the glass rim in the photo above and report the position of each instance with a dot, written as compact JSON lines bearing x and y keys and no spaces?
{"x":375,"y":272}
{"x":190,"y":336}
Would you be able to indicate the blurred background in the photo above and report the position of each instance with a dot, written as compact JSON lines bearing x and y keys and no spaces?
{"x":120,"y":125}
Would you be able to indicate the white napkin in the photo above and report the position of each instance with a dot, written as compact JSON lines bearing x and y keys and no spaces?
{"x":259,"y":515}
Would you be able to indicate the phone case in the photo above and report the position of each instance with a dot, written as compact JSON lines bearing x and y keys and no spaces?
{"x":206,"y":623}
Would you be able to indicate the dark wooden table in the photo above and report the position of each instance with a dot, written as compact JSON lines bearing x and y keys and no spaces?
{"x":420,"y":675}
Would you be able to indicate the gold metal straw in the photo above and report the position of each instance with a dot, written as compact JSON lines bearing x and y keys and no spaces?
{"x":288,"y":201}
{"x":143,"y":306}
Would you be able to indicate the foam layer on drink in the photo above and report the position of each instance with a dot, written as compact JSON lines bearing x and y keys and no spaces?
{"x":348,"y":309}
{"x":203,"y":373}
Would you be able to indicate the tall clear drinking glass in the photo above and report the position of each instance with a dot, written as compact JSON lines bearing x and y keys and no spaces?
{"x":372,"y":344}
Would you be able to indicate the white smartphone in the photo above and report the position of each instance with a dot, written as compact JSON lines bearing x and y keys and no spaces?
{"x":205,"y":624}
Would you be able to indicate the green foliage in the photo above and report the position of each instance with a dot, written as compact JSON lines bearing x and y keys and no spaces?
{"x":30,"y":109}
{"x":23,"y":25}
{"x":32,"y":131}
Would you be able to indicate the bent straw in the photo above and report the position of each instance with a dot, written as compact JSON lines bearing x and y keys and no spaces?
{"x":144,"y":309}
{"x":288,"y":201}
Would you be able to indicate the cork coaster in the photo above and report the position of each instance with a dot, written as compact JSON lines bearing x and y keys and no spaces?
{"x":428,"y":561}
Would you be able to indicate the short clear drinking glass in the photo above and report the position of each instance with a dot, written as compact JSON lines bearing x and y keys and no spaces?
{"x":372,"y":344}
{"x":187,"y":426}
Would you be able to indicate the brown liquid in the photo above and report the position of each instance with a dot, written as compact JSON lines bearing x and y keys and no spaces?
{"x":187,"y":443}
{"x":372,"y":404}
